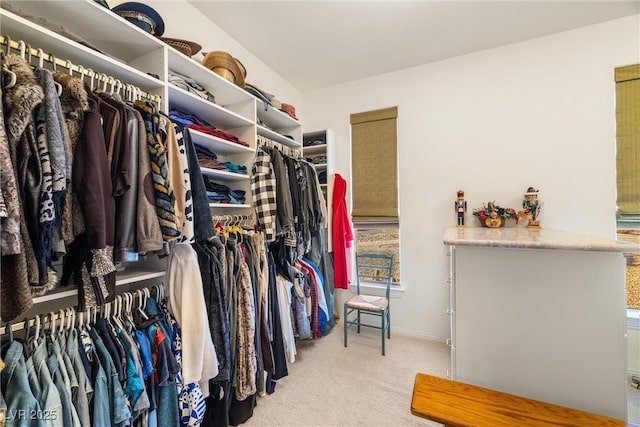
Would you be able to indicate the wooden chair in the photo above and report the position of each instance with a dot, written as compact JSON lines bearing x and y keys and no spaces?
{"x":376,"y":269}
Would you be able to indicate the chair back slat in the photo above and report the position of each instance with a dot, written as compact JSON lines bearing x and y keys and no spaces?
{"x":374,"y":268}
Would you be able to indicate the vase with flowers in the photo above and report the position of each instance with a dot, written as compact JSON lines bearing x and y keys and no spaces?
{"x":494,"y":216}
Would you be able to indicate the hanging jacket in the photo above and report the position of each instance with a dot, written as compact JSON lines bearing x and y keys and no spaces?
{"x":20,"y":270}
{"x":51,"y":138}
{"x":74,"y":103}
{"x":263,"y":189}
{"x":165,"y":198}
{"x":186,"y":303}
{"x":148,"y":233}
{"x":10,"y":218}
{"x":342,"y":233}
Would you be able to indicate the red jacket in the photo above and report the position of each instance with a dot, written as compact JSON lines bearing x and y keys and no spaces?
{"x":341,"y":232}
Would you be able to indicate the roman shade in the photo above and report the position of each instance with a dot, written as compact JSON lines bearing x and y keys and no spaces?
{"x":374,"y":158}
{"x":628,"y":139}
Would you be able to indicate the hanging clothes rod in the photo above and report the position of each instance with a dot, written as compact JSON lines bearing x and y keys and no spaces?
{"x":231,"y":217}
{"x":29,"y":52}
{"x":285,"y":149}
{"x":91,"y":312}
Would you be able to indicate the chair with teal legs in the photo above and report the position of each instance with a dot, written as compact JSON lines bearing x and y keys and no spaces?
{"x":373,"y":269}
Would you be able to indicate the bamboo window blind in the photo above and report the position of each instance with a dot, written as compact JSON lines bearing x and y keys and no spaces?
{"x":374,"y":166}
{"x":628,"y":139}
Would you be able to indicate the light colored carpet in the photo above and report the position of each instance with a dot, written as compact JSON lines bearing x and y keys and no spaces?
{"x":330,"y":385}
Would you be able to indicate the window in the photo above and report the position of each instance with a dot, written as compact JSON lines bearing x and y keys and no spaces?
{"x":374,"y":166}
{"x":628,"y":170}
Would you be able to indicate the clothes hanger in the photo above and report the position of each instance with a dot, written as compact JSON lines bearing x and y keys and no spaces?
{"x":92,"y":76}
{"x":10,"y":74}
{"x":147,"y":296}
{"x":54,"y":65}
{"x":117,"y":312}
{"x":12,"y":77}
{"x":80,"y":324}
{"x":36,"y":337}
{"x":83,"y":72}
{"x":26,"y":348}
{"x":128,"y":314}
{"x":139,"y":308}
{"x":62,"y":319}
{"x":71,"y":319}
{"x":51,"y":333}
{"x":22,"y":46}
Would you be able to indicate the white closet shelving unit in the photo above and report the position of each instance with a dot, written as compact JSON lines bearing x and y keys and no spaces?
{"x":318,"y":150}
{"x":135,"y":57}
{"x":325,"y":150}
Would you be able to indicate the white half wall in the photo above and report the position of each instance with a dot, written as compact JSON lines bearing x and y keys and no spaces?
{"x":538,"y":113}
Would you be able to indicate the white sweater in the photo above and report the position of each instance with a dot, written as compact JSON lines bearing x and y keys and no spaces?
{"x":186,"y":302}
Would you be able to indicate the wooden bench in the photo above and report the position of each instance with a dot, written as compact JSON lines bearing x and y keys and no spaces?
{"x":454,"y":403}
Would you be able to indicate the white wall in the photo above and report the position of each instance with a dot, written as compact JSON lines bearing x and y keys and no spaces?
{"x":538,"y":113}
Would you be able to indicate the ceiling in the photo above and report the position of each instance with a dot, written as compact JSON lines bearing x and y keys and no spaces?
{"x":314,"y":44}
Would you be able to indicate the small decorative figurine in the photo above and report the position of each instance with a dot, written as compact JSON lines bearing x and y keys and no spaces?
{"x":532,"y":207}
{"x":494,"y":221}
{"x":460,"y":206}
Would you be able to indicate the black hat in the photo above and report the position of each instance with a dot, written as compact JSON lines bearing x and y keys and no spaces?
{"x":141,"y":15}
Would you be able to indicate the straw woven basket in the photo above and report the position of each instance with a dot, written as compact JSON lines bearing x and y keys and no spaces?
{"x":226,"y":66}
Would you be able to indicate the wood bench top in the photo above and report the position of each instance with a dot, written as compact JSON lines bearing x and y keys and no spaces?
{"x":454,"y":403}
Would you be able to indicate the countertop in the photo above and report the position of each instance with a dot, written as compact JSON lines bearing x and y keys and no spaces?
{"x":524,"y":238}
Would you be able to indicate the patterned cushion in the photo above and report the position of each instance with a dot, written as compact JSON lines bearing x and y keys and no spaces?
{"x":368,"y":302}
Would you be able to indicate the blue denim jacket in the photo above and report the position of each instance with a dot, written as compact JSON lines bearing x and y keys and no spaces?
{"x":118,"y":408}
{"x":84,"y":392}
{"x":49,"y":397}
{"x":20,"y":401}
{"x":61,"y":380}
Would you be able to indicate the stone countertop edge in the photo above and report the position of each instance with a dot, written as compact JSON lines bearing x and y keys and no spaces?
{"x":524,"y":238}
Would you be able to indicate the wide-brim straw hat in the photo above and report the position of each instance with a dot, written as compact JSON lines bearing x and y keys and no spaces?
{"x":187,"y":47}
{"x":226,"y":66}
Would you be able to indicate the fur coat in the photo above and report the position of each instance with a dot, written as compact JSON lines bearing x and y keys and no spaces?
{"x":20,"y":271}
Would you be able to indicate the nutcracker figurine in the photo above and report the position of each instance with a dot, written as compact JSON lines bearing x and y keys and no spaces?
{"x":460,"y":206}
{"x":532,"y":207}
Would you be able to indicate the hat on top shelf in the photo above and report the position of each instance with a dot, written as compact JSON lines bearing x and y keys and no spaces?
{"x":259,"y":93}
{"x":187,"y":47}
{"x":142,"y":16}
{"x":226,"y":66}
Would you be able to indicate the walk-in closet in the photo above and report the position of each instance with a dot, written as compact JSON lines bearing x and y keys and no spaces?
{"x":164,"y":239}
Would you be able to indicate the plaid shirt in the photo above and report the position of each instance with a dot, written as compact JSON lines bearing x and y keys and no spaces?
{"x":263,"y":188}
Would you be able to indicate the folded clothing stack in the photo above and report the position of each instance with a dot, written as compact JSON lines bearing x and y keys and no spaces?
{"x":190,"y":85}
{"x":220,"y":193}
{"x":196,"y":123}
